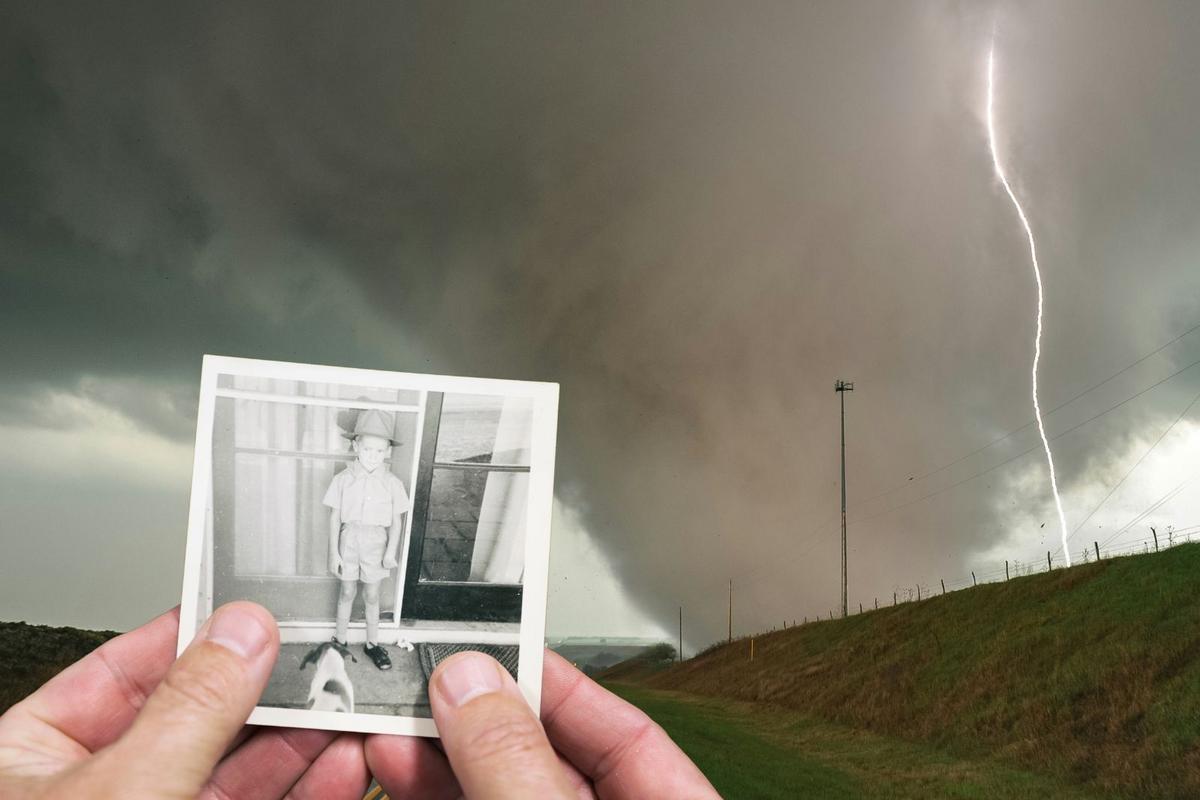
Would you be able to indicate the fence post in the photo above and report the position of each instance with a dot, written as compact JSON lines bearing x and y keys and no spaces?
{"x":751,"y":648}
{"x":860,"y":608}
{"x":1006,"y":569}
{"x":1097,"y":549}
{"x":1048,"y":565}
{"x":806,"y":620}
{"x":1155,"y":538}
{"x":876,"y":603}
{"x":918,"y":592}
{"x":943,"y":585}
{"x":973,"y":581}
{"x":893,"y":598}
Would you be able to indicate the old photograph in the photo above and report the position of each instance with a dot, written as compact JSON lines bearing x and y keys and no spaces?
{"x":387,"y":520}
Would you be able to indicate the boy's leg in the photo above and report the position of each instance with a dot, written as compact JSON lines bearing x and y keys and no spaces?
{"x":371,"y":601}
{"x":372,"y":648}
{"x":345,"y":601}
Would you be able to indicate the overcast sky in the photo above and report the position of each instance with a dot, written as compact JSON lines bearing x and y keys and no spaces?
{"x":695,"y":217}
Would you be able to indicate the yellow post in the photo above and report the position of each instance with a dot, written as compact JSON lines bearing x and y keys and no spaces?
{"x":751,"y":648}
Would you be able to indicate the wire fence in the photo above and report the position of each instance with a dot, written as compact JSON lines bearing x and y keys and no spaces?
{"x":919,"y":591}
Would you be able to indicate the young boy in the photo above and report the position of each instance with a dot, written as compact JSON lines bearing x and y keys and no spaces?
{"x":367,"y":505}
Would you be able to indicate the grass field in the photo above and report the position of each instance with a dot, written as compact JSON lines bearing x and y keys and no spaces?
{"x":754,"y":753}
{"x":1090,"y":674}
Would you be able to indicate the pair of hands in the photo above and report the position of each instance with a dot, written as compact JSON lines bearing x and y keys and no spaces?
{"x":131,"y":721}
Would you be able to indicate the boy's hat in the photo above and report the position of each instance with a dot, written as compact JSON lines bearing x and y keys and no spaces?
{"x":373,"y":422}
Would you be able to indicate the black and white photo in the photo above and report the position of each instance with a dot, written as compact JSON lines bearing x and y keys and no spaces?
{"x":387,"y":520}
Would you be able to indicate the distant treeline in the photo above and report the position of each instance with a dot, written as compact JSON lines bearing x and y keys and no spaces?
{"x":30,"y":655}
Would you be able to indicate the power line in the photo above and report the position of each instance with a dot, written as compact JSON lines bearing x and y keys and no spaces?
{"x":1150,"y":509}
{"x":812,"y":539}
{"x":1011,"y":433}
{"x":1118,"y":484}
{"x":1030,"y":450}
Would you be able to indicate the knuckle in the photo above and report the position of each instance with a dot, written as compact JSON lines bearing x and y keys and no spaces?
{"x":206,"y":687}
{"x":509,"y":740}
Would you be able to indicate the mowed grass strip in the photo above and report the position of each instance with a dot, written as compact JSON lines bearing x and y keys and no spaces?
{"x":1091,"y":673}
{"x":749,"y":751}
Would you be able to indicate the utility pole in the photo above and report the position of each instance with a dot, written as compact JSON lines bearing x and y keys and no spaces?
{"x":730,"y":609}
{"x":681,"y":634}
{"x":841,"y":387}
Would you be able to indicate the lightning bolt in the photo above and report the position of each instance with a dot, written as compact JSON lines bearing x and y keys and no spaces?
{"x":1037,"y":274}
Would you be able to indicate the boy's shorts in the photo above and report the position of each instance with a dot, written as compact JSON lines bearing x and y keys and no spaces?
{"x":361,"y":548}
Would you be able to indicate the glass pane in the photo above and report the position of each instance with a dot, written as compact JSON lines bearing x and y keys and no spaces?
{"x":476,"y":526}
{"x":485,"y":429}
{"x":341,"y":391}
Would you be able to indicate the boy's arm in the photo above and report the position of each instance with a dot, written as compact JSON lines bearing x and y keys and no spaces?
{"x":400,"y":503}
{"x":393,"y":540}
{"x":335,"y":530}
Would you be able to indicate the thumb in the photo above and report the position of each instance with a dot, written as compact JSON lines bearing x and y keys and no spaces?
{"x":495,"y":743}
{"x":202,"y":702}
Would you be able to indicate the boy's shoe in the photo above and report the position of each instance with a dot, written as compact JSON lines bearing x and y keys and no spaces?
{"x":378,"y":655}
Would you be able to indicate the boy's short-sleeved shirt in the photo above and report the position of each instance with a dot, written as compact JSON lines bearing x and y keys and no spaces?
{"x":371,"y":498}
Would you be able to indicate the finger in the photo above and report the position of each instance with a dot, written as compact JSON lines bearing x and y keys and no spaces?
{"x":579,"y":782}
{"x":411,"y":767}
{"x":492,"y":738}
{"x":340,"y":771}
{"x":623,"y":751}
{"x":245,"y":733}
{"x":116,"y":678}
{"x":267,"y":764}
{"x":197,"y":709}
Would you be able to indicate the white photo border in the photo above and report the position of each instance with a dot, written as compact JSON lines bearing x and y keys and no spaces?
{"x":537,"y":535}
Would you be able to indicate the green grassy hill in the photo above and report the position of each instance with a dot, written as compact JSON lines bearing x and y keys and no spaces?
{"x":1091,"y":674}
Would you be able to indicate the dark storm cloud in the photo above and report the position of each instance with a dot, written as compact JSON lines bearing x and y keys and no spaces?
{"x":119,"y":270}
{"x":693,"y":217}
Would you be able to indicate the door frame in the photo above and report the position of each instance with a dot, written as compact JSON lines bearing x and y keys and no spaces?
{"x":458,"y":601}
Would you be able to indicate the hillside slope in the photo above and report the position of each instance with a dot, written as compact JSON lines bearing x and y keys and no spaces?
{"x":1091,"y":672}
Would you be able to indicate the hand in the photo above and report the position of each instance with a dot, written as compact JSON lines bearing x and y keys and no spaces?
{"x":130,"y":721}
{"x":335,"y":564}
{"x":589,"y":744}
{"x":389,"y":561}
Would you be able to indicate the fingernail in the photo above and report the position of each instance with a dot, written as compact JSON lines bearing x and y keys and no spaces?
{"x":238,"y":630}
{"x":467,"y":676}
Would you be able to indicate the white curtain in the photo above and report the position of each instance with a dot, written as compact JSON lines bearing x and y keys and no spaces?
{"x":279,"y":527}
{"x":499,"y":552}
